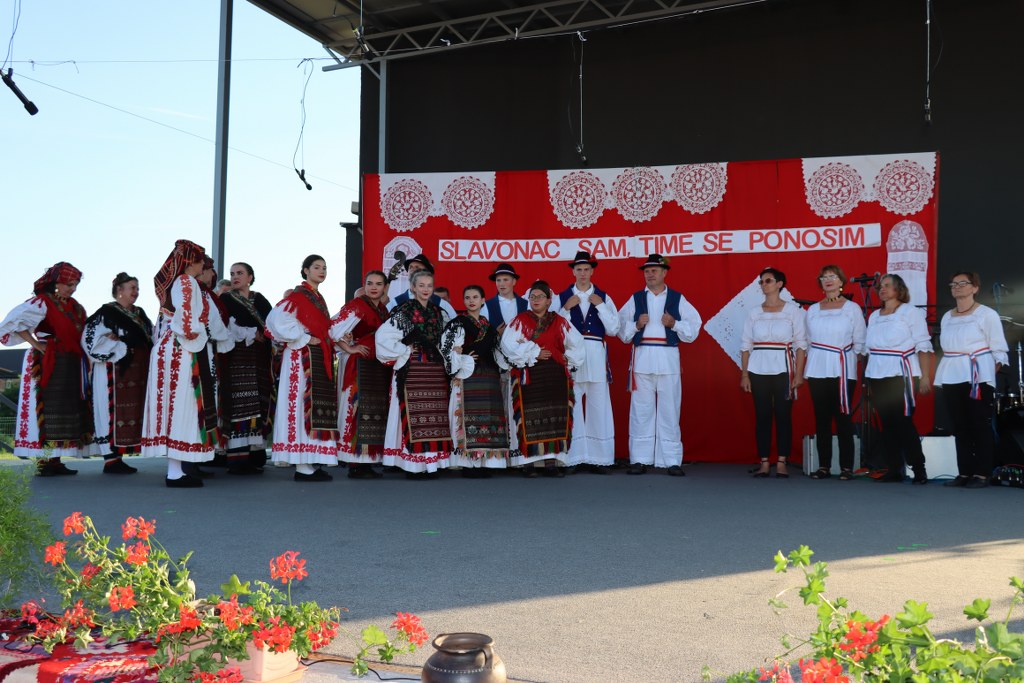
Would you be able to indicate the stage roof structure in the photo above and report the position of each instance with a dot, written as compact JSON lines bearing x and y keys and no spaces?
{"x":357,"y":33}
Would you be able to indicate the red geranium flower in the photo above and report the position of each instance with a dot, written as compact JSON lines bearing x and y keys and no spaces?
{"x":47,"y":628}
{"x":88,"y":571}
{"x":73,"y":524}
{"x":231,"y":674}
{"x":322,"y":636}
{"x":137,"y":527}
{"x":29,"y":610}
{"x":55,"y":553}
{"x":288,"y":567}
{"x":121,"y":597}
{"x":138,"y":554}
{"x":233,"y":615}
{"x":278,"y":636}
{"x":78,"y":615}
{"x":822,"y":671}
{"x":409,"y":624}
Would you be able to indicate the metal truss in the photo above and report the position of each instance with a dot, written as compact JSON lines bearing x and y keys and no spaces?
{"x":531,"y":20}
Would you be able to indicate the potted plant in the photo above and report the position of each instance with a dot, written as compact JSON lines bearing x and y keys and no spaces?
{"x":134,"y":590}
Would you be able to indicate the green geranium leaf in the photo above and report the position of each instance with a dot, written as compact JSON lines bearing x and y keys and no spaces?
{"x":1017,"y":583}
{"x":978,"y":609}
{"x":915,"y":614}
{"x":777,"y":604}
{"x":234,"y":587}
{"x":373,"y":635}
{"x":781,"y":563}
{"x":801,"y":556}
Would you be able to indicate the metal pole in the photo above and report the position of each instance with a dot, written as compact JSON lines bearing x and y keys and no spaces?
{"x":220,"y":180}
{"x":382,"y":119}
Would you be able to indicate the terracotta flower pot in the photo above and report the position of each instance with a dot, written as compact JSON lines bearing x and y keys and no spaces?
{"x":267,"y":665}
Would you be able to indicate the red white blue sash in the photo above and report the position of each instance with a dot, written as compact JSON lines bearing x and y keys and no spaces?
{"x":975,"y":368}
{"x":787,"y":347}
{"x":908,"y":374}
{"x":844,"y":394}
{"x":647,"y":341}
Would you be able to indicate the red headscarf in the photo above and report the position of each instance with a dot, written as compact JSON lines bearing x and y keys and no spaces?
{"x":185,"y":253}
{"x":59,"y":273}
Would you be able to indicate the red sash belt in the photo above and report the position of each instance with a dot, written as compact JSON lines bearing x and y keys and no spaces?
{"x":906,"y":369}
{"x":844,"y":394}
{"x":975,"y":368}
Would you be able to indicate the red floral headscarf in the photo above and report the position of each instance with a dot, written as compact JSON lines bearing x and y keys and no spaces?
{"x":185,"y":253}
{"x":59,"y":273}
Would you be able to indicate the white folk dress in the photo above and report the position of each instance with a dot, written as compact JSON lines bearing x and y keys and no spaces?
{"x":291,"y":443}
{"x":171,"y":425}
{"x":26,"y":317}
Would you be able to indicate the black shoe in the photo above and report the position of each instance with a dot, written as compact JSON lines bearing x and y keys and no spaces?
{"x":363,"y":471}
{"x":318,"y":475}
{"x":192,"y":469}
{"x":416,"y":476}
{"x":185,"y":482}
{"x":118,"y":467}
{"x":961,"y":480}
{"x":243,"y":468}
{"x":821,"y":473}
{"x":920,"y":477}
{"x":258,"y":459}
{"x":53,"y":468}
{"x":676,"y":471}
{"x":636,"y":468}
{"x":846,"y":475}
{"x":530,"y":472}
{"x":600,"y":469}
{"x":976,"y":483}
{"x":557,"y":472}
{"x":759,"y":473}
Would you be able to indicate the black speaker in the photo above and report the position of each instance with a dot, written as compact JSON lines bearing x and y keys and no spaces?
{"x":1010,"y":431}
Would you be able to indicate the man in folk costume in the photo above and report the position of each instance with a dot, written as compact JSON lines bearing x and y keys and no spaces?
{"x":500,"y":310}
{"x":364,"y":382}
{"x":180,"y":420}
{"x":503,"y":307}
{"x":420,"y":262}
{"x":592,"y":312}
{"x":54,"y":411}
{"x":655,"y":320}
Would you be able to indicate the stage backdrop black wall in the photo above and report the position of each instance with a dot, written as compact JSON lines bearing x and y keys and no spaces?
{"x":777,"y":80}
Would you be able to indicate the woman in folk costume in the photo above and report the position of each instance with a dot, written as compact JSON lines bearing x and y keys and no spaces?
{"x":180,"y":420}
{"x":473,"y":359}
{"x":53,"y":400}
{"x":306,"y":415}
{"x":364,"y":381}
{"x":118,"y":339}
{"x":546,"y":349}
{"x":419,"y":437}
{"x":246,"y":374}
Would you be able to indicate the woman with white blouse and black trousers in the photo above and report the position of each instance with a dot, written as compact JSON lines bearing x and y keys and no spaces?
{"x":899,"y":357}
{"x":835,"y":337}
{"x":974,"y":348}
{"x":772,"y":355}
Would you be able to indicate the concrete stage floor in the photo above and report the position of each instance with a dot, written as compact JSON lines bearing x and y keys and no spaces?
{"x":588,"y":578}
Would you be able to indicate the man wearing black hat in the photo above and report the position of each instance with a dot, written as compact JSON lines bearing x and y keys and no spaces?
{"x":503,"y":307}
{"x":421,"y":262}
{"x":592,"y":312}
{"x":500,"y":310}
{"x":655,"y":320}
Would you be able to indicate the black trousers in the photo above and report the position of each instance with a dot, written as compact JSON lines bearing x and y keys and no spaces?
{"x":972,"y":428}
{"x":825,"y":396}
{"x":899,"y":435}
{"x":772,"y":404}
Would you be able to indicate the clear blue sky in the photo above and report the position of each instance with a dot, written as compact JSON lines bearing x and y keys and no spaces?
{"x":107,"y":191}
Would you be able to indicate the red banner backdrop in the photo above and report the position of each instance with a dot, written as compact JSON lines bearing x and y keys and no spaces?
{"x":719,"y":224}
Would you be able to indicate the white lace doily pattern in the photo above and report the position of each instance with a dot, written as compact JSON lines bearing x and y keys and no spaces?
{"x":468,"y":202}
{"x":907,"y":236}
{"x":726,"y":326}
{"x":639,"y":193}
{"x":698,"y":188}
{"x":406,"y":205}
{"x":904,"y":187}
{"x":578,"y":199}
{"x":834,"y":190}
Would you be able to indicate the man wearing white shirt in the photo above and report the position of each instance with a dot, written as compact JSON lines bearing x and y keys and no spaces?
{"x":655,"y":320}
{"x":503,"y":307}
{"x":421,"y":262}
{"x":592,"y":312}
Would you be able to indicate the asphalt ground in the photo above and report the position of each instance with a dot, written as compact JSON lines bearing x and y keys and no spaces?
{"x":583,"y":579}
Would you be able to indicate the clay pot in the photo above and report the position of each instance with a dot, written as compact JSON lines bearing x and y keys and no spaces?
{"x":464,"y":658}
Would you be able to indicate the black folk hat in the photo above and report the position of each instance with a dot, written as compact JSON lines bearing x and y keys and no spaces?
{"x":503,"y":269}
{"x":656,"y":260}
{"x":422,"y":260}
{"x":583,"y":258}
